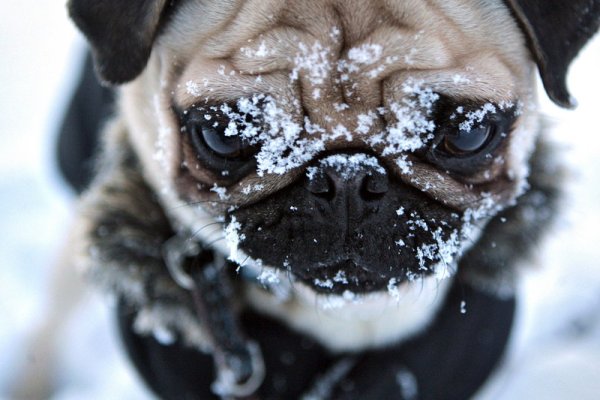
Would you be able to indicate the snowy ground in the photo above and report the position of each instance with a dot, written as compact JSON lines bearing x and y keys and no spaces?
{"x":556,"y":349}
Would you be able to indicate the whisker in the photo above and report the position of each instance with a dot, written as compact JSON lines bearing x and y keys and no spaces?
{"x":197,"y":231}
{"x":244,"y":261}
{"x":218,"y":230}
{"x":449,"y":268}
{"x":288,"y":273}
{"x":194,"y":203}
{"x":209,"y":244}
{"x":422,"y":281}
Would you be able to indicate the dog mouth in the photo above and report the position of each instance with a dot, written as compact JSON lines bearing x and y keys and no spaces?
{"x":337,"y":277}
{"x":404,"y":240}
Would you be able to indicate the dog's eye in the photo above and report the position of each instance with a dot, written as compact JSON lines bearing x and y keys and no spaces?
{"x":216,"y":137}
{"x":464,"y":142}
{"x":467,"y":146}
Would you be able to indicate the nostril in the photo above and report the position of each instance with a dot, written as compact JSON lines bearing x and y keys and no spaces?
{"x":321,"y":185}
{"x":374,"y":186}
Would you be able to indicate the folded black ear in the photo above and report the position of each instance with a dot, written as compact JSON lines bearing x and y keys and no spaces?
{"x":556,"y":30}
{"x":121,"y":33}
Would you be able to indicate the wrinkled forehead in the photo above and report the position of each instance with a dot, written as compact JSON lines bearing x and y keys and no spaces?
{"x":337,"y":52}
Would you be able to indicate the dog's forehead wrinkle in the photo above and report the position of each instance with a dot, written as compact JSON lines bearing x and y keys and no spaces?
{"x":250,"y":19}
{"x":410,"y":39}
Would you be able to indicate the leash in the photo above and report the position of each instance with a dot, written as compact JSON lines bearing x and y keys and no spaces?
{"x":238,"y":361}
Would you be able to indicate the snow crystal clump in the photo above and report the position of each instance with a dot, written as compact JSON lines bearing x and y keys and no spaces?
{"x":281,"y":147}
{"x":476,"y":116}
{"x":365,"y":122}
{"x":447,"y":247}
{"x":340,"y":277}
{"x":233,"y":238}
{"x":361,"y":56}
{"x":393,"y":289}
{"x":416,"y":222}
{"x":220,"y":191}
{"x":347,"y":165}
{"x":261,"y":52}
{"x":327,"y":283}
{"x":459,"y":79}
{"x":269,"y":276}
{"x":365,"y":54}
{"x":315,"y":61}
{"x":446,"y":252}
{"x":248,"y":189}
{"x":412,"y":127}
{"x":193,"y":88}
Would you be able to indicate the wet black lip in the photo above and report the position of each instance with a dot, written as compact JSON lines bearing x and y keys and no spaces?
{"x":345,"y":264}
{"x":327,"y":279}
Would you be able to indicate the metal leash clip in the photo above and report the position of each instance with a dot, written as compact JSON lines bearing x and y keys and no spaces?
{"x":226,"y":385}
{"x":175,"y":251}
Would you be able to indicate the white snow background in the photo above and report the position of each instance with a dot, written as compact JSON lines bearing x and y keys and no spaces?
{"x":555,"y":352}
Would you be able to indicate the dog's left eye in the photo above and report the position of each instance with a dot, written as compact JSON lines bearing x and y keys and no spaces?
{"x":218,"y":141}
{"x":214,"y":136}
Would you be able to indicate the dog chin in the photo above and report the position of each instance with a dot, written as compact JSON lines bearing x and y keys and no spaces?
{"x":397,"y":311}
{"x":348,"y":321}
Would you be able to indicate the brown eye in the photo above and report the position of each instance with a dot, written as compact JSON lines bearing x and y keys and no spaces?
{"x":213,"y":133}
{"x":468,"y":143}
{"x":471,"y":141}
{"x":216,"y":136}
{"x":217,"y":141}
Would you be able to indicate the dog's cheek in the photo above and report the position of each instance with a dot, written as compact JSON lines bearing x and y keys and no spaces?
{"x":154,"y":132}
{"x":153,"y":129}
{"x":521,"y":147}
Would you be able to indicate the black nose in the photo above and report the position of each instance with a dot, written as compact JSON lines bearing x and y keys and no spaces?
{"x":347,"y":188}
{"x":329,"y":184}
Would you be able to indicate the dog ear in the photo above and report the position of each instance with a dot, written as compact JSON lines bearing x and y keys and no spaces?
{"x":556,"y":30}
{"x":121,"y":33}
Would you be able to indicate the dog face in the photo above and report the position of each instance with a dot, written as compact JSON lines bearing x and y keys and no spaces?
{"x":354,"y":145}
{"x":349,"y":149}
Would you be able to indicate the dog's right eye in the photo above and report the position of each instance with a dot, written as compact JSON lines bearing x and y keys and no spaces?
{"x":218,"y":141}
{"x":468,"y":143}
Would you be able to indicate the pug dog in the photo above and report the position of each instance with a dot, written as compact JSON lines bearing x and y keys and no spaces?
{"x":322,"y":198}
